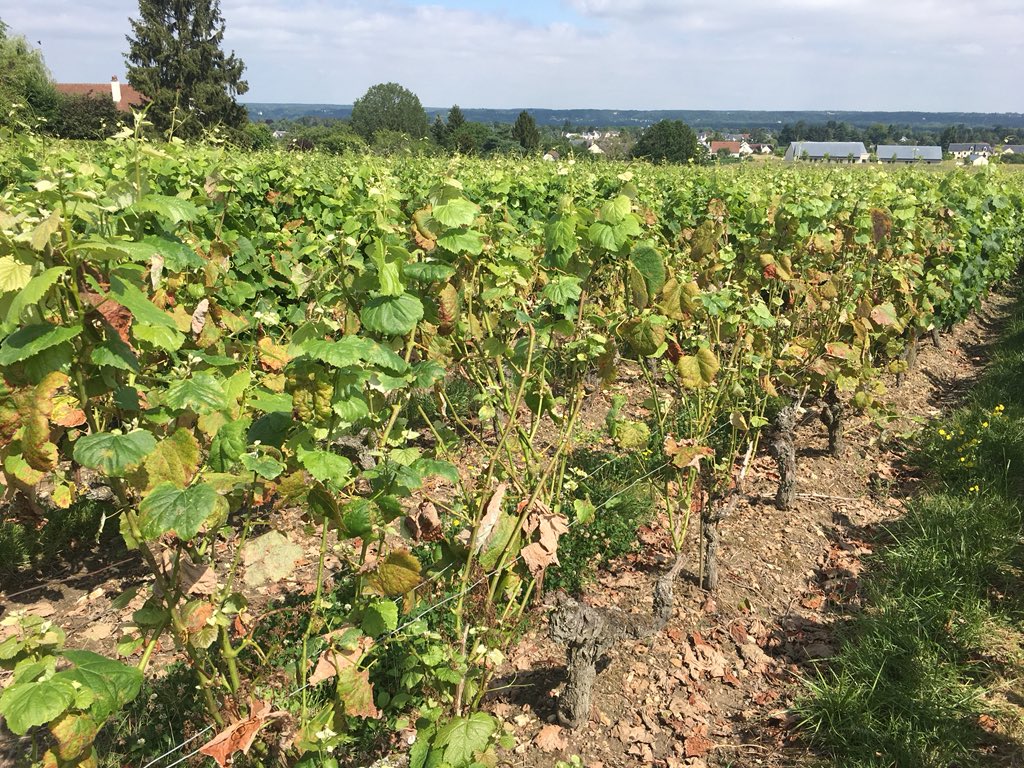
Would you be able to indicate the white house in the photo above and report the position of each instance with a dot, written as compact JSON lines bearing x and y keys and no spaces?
{"x":964,"y":151}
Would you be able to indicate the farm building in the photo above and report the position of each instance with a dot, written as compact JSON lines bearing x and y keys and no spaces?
{"x":1013,"y":149}
{"x":902,"y":153}
{"x":828,"y":152}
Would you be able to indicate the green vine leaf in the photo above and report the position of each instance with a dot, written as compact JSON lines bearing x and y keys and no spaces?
{"x":113,"y":454}
{"x":33,"y":339}
{"x":392,"y":315}
{"x":168,"y":509}
{"x":26,"y":705}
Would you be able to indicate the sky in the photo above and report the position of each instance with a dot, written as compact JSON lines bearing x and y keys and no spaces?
{"x":928,"y":55}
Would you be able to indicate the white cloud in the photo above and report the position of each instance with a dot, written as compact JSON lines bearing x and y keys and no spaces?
{"x":770,"y":54}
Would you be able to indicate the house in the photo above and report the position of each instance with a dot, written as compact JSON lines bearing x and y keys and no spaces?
{"x":898,"y":153}
{"x":595,"y":150}
{"x":760,"y":149}
{"x":963,"y":151}
{"x":828,"y":151}
{"x":1013,"y":149}
{"x":731,"y":147}
{"x":551,"y":156}
{"x":124,"y":96}
{"x":977,"y":159}
{"x":279,"y":134}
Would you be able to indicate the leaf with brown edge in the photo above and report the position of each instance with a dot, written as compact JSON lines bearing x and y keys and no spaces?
{"x":74,"y":734}
{"x":66,"y":412}
{"x":39,"y":452}
{"x":686,"y":453}
{"x":174,"y":460}
{"x":395,"y":575}
{"x":239,"y":736}
{"x":273,"y":357}
{"x":355,"y":692}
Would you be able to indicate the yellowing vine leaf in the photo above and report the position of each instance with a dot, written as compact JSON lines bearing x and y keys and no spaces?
{"x":395,"y":575}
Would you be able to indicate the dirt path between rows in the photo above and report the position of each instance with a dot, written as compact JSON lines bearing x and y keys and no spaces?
{"x":713,"y":688}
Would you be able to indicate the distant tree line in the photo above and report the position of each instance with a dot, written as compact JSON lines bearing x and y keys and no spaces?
{"x":879,"y":133}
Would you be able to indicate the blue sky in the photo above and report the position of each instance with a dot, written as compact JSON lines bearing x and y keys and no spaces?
{"x":935,"y":55}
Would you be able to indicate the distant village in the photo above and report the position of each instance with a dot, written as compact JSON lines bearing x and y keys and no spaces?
{"x":728,"y":147}
{"x":739,"y":146}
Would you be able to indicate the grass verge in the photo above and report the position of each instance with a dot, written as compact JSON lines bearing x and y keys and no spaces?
{"x":921,"y":676}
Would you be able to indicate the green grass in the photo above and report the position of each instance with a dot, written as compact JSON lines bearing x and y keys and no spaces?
{"x":623,"y":503}
{"x":906,"y":688}
{"x":64,"y":536}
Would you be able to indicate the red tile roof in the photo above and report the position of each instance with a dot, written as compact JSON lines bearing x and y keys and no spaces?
{"x":130,"y":98}
{"x":732,"y":146}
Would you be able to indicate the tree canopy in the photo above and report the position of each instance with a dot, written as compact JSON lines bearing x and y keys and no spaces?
{"x":525,"y":131}
{"x":24,"y":80}
{"x":175,"y":59}
{"x":668,"y":141}
{"x":389,"y":107}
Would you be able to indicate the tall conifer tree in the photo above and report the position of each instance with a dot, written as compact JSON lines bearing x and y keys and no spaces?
{"x":175,"y":59}
{"x":525,"y":131}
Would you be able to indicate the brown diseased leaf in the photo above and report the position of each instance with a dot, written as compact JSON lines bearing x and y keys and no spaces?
{"x":273,"y":357}
{"x":490,"y":519}
{"x":238,"y":737}
{"x":686,"y":453}
{"x":551,"y":739}
{"x":333,"y":660}
{"x":199,"y":316}
{"x":424,"y":524}
{"x":549,"y":528}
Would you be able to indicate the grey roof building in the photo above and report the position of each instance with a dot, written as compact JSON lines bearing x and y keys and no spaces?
{"x":828,"y":151}
{"x":969,"y":149}
{"x":1015,"y":149}
{"x":905,"y":153}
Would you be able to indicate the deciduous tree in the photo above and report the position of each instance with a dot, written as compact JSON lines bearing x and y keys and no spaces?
{"x":389,"y":107}
{"x":24,"y":81}
{"x":175,"y":59}
{"x":668,"y":141}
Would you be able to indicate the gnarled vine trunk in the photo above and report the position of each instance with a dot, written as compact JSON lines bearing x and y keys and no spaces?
{"x":714,"y":512}
{"x":782,"y":447}
{"x":909,"y":356}
{"x":832,"y":416}
{"x":588,"y":633}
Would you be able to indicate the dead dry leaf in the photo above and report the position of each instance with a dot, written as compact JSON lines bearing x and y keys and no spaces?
{"x":490,"y":518}
{"x":424,"y":524}
{"x":238,"y":737}
{"x":199,"y":316}
{"x":551,"y":739}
